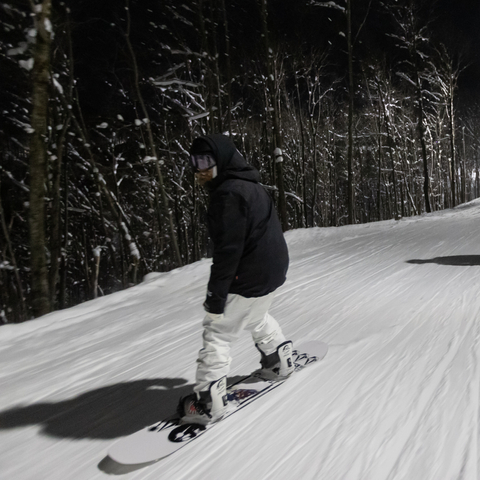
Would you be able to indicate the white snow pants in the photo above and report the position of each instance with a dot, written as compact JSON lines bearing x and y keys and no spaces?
{"x":241,"y":313}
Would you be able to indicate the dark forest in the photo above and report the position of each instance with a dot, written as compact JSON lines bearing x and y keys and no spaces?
{"x":353,"y":111}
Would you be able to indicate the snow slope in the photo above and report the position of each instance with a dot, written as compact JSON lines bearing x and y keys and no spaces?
{"x":397,"y":397}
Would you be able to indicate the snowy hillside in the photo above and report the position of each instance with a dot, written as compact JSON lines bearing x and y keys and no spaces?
{"x":397,"y":397}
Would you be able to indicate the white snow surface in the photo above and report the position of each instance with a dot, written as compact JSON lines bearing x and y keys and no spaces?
{"x":397,"y":396}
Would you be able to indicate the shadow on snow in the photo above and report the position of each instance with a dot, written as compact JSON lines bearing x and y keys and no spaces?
{"x":455,"y":260}
{"x":105,"y":413}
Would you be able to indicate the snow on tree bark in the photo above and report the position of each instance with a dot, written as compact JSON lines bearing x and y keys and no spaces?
{"x":38,"y":158}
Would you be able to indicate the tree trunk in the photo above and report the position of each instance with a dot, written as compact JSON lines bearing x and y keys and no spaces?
{"x":351,"y":92}
{"x":421,"y":136}
{"x":390,"y":144}
{"x":379,"y":176}
{"x":426,"y":177}
{"x":277,"y":137}
{"x":477,"y":178}
{"x":56,"y":227}
{"x":38,"y":161}
{"x":228,"y":68}
{"x":453,"y":161}
{"x":463,"y":173}
{"x":303,"y":155}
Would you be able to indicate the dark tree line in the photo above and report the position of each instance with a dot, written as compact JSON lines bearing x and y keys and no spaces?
{"x":353,"y":111}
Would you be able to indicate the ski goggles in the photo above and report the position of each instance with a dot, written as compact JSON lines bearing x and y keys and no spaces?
{"x":202,"y":161}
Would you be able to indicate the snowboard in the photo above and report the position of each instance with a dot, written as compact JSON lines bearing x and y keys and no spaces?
{"x":166,"y":437}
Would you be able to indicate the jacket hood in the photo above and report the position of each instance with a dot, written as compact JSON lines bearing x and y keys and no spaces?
{"x":230,"y":162}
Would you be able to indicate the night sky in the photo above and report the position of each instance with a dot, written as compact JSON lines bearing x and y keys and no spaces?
{"x":459,"y":24}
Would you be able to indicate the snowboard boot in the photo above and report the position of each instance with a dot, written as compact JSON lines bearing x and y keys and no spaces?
{"x":207,"y":407}
{"x":278,"y":365}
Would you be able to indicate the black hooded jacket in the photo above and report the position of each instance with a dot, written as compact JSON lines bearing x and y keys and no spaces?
{"x":250,"y":256}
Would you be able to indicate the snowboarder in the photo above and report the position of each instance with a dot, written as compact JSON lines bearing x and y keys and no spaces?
{"x":250,"y":261}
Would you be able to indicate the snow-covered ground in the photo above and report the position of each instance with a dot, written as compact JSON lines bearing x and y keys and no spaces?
{"x":397,"y":396}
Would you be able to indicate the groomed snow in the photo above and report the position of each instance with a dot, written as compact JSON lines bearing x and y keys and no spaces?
{"x":397,"y":396}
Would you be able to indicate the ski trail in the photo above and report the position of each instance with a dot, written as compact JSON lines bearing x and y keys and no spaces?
{"x":396,"y":452}
{"x":398,"y":366}
{"x":396,"y":398}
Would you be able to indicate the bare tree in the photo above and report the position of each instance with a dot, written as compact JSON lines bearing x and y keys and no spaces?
{"x":413,"y":37}
{"x":151,"y":141}
{"x":273,"y":104}
{"x":446,"y":72}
